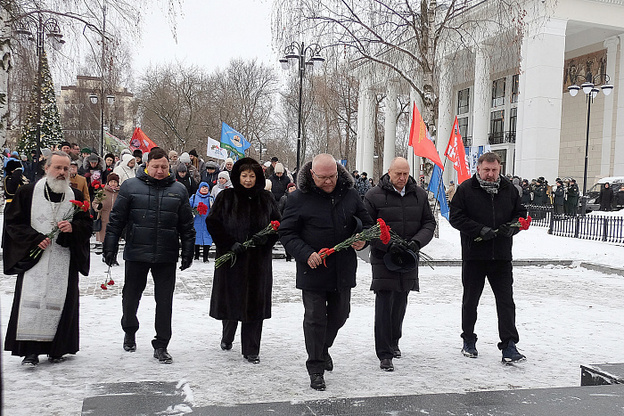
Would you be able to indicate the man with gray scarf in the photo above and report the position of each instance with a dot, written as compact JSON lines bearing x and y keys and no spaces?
{"x":483,"y":210}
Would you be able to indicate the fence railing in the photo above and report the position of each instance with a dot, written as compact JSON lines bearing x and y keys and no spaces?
{"x":587,"y":227}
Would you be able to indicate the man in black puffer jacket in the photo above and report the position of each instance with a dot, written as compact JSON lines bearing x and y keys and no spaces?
{"x":483,"y":210}
{"x":403,"y":205}
{"x":323,"y":212}
{"x":155,"y":210}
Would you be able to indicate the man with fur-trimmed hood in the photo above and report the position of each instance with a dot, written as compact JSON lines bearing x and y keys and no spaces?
{"x":324,"y":211}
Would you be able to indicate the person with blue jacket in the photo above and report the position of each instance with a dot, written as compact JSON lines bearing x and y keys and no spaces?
{"x":202,"y":236}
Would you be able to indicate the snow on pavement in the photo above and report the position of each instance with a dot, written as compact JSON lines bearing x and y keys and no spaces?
{"x":566,"y":316}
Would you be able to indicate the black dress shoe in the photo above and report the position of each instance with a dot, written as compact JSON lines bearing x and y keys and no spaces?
{"x":163,"y":356}
{"x":386,"y":364}
{"x":129,"y":343}
{"x":225,"y":346}
{"x":317,"y":381}
{"x":56,"y":359}
{"x":329,"y":363}
{"x":31,"y":360}
{"x":254,"y":359}
{"x":396,"y":352}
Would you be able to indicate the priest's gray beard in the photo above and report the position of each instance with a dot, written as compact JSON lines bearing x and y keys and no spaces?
{"x":59,"y":184}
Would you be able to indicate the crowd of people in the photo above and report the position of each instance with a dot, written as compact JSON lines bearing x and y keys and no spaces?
{"x":171,"y":208}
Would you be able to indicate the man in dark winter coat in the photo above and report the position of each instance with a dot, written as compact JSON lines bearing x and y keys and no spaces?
{"x":211,"y":174}
{"x":323,"y":212}
{"x":572,"y":198}
{"x":606,"y":197}
{"x":559,"y":198}
{"x":279,"y":182}
{"x":483,"y":209}
{"x":155,"y":211}
{"x":403,"y":205}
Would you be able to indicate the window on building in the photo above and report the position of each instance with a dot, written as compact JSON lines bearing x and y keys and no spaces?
{"x":497,"y":126}
{"x":498,"y":92}
{"x":463,"y":126}
{"x":513,"y":120}
{"x":503,"y":155}
{"x":515,"y":82}
{"x":463,"y":101}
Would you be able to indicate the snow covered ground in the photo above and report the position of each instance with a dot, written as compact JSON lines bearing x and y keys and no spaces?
{"x":566,"y":316}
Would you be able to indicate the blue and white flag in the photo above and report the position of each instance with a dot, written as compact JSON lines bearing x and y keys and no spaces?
{"x":233,"y":141}
{"x":436,"y":185}
{"x":214,"y":150}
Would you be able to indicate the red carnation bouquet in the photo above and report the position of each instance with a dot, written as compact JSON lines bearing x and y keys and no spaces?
{"x":200,"y":209}
{"x":522,"y":224}
{"x":77,"y":206}
{"x":230,"y":255}
{"x":108,"y":281}
{"x":99,"y":191}
{"x":379,"y":230}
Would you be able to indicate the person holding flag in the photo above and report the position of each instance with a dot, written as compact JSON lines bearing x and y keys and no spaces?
{"x":404,"y":206}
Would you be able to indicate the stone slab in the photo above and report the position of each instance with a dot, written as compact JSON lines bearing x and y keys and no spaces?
{"x":601,"y":374}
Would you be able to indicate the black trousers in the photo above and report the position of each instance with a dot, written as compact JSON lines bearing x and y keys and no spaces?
{"x":164,"y":275}
{"x":251,"y":333}
{"x":500,"y":277}
{"x":325,"y":313}
{"x":390,"y":309}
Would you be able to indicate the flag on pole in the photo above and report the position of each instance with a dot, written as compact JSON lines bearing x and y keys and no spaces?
{"x":436,"y":185}
{"x":420,"y":140}
{"x":214,"y":149}
{"x":140,"y":141}
{"x":456,"y":153}
{"x":233,"y":140}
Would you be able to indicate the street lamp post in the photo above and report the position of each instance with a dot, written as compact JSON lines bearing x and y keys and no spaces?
{"x":303,"y":56}
{"x":44,"y":28}
{"x":590,"y":90}
{"x":110,"y":100}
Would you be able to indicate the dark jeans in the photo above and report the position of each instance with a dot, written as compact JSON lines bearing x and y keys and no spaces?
{"x":164,"y":275}
{"x":325,"y":313}
{"x":390,"y":309}
{"x":500,"y":277}
{"x":251,"y":333}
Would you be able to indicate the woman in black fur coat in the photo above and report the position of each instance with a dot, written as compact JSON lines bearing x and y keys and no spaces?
{"x":242,"y":292}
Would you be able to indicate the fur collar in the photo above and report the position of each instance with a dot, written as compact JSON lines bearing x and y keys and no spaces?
{"x":306,"y":183}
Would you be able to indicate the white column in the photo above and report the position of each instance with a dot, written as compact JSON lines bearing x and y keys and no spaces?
{"x":446,"y":116}
{"x":390,"y":125}
{"x":607,"y":124}
{"x":482,"y":97}
{"x":539,"y":103}
{"x":415,"y":160}
{"x":360,"y":123}
{"x":618,"y":154}
{"x":366,"y":137}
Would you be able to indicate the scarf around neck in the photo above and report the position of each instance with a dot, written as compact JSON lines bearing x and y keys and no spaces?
{"x":489,"y":187}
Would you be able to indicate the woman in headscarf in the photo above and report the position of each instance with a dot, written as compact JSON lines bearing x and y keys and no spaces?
{"x":242,"y":291}
{"x":202,"y":236}
{"x":125,"y":170}
{"x":223,"y":182}
{"x":103,"y":204}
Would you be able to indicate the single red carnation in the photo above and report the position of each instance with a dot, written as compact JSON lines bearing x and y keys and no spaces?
{"x":275,"y":225}
{"x":110,"y":282}
{"x":103,"y":286}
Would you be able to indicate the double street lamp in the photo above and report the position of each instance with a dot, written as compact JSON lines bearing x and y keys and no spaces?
{"x":306,"y":57}
{"x":110,"y":100}
{"x":590,"y":89}
{"x":43,"y":28}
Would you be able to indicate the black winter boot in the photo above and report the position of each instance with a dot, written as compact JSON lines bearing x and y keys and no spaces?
{"x":206,"y":251}
{"x":197,"y":252}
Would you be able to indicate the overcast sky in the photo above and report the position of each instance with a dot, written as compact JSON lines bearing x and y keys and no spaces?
{"x":210,"y":33}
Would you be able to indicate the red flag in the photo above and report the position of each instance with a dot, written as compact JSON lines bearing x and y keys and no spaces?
{"x":141,"y":141}
{"x":420,"y":140}
{"x":456,"y":153}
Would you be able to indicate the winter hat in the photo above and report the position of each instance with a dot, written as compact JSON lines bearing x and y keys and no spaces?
{"x":194,"y":153}
{"x":290,"y":185}
{"x":86,"y":150}
{"x":279,"y":168}
{"x":137,"y":153}
{"x":228,"y":160}
{"x":182,"y":167}
{"x":211,"y":165}
{"x":11,"y":166}
{"x":274,"y":159}
{"x":112,"y":177}
{"x":225,"y":175}
{"x":112,"y":156}
{"x":125,"y":152}
{"x":185,"y":158}
{"x":267,"y":164}
{"x":125,"y":159}
{"x":14,"y":153}
{"x":93,"y":158}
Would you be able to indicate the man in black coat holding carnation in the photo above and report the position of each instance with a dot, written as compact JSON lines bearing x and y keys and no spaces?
{"x":323,"y":212}
{"x":404,"y":206}
{"x":484,"y":210}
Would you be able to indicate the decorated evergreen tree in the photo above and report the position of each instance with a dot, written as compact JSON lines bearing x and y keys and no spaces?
{"x":51,"y":133}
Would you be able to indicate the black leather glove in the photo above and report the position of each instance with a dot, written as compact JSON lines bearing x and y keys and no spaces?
{"x":414,"y":246}
{"x":397,"y":248}
{"x":506,"y":230}
{"x":238,"y":248}
{"x":186,"y":263}
{"x":487,"y":233}
{"x":110,"y":257}
{"x":260,"y":240}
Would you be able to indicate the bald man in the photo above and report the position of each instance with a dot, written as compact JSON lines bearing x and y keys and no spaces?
{"x":324,"y":211}
{"x":403,"y":205}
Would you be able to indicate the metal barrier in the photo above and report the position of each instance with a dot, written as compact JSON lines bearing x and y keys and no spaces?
{"x":587,"y":227}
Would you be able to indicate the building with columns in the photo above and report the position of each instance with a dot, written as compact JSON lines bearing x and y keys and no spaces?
{"x":514,"y":98}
